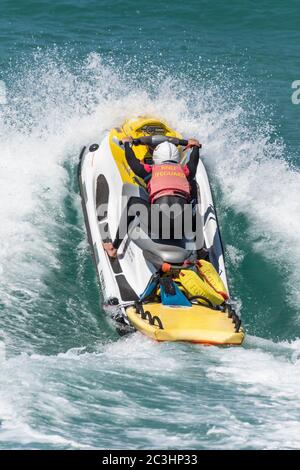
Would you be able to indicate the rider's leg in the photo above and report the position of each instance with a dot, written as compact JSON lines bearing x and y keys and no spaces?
{"x":132,"y":209}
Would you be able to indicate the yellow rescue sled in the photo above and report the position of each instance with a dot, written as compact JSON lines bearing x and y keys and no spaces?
{"x":196,"y":324}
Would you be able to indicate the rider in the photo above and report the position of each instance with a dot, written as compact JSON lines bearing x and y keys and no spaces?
{"x":166,"y":182}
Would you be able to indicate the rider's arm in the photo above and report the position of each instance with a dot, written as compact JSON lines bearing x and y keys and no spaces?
{"x":193,"y":163}
{"x":136,"y":166}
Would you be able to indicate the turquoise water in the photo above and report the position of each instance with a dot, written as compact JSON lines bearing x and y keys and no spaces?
{"x":220,"y":71}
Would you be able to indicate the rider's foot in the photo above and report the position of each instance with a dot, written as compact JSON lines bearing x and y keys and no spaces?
{"x":110,"y":250}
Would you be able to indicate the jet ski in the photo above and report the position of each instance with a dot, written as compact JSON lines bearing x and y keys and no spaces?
{"x":167,"y":289}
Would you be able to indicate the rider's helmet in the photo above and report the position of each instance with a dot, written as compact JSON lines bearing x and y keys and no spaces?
{"x":166,"y":152}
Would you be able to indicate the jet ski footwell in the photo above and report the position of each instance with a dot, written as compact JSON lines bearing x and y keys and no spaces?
{"x":196,"y":324}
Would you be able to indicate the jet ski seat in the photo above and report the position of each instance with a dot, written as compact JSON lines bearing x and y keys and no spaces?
{"x":156,"y":247}
{"x":158,"y":250}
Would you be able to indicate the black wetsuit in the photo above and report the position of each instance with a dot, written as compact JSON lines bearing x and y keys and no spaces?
{"x":144,"y":171}
{"x":140,"y":170}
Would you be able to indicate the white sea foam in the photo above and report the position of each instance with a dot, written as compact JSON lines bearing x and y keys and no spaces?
{"x":235,"y":255}
{"x":198,"y":397}
{"x":130,"y":392}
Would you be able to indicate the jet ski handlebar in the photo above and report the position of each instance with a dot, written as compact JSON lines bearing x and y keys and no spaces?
{"x":154,"y":140}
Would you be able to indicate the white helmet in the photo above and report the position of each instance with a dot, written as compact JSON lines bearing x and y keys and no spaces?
{"x":165,"y":152}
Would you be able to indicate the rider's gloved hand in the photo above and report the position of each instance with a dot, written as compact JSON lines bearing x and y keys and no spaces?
{"x":128,"y":139}
{"x":194,"y":143}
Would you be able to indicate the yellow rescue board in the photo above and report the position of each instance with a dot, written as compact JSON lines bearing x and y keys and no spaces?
{"x":196,"y":324}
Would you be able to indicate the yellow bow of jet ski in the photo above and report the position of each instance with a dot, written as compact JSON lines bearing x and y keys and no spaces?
{"x":169,"y":290}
